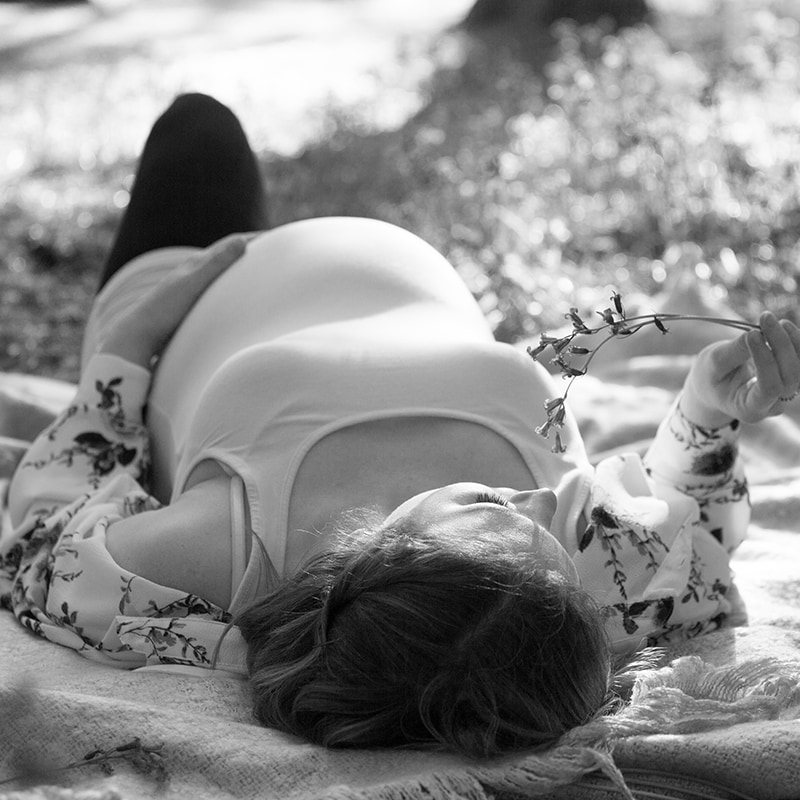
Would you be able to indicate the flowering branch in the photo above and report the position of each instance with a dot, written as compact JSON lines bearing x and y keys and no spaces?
{"x":145,"y":758}
{"x":615,"y":323}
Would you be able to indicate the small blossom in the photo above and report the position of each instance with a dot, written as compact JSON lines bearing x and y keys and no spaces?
{"x":579,"y":351}
{"x":620,"y":329}
{"x":608,"y":316}
{"x":546,"y":341}
{"x":552,"y":404}
{"x":556,"y":414}
{"x":544,"y":428}
{"x":556,"y":411}
{"x":558,"y":445}
{"x":577,"y":323}
{"x":535,"y":352}
{"x":616,"y":298}
{"x":562,"y":344}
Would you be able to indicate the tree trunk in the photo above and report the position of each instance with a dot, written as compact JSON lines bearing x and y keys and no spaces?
{"x":514,"y":13}
{"x":495,"y":12}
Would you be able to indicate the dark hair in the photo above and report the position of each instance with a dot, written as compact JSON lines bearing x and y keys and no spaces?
{"x":400,"y":638}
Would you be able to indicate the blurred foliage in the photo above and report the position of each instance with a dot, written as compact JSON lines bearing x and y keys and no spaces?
{"x":636,"y":156}
{"x":56,"y":226}
{"x":643,"y":154}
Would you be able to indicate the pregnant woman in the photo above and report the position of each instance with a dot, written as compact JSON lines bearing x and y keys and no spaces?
{"x":300,"y":454}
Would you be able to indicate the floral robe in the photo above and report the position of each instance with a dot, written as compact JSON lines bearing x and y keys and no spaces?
{"x":56,"y":574}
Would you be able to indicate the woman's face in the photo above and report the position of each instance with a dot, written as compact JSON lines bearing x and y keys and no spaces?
{"x":465,"y":508}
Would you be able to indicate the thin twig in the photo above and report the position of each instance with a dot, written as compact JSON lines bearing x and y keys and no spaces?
{"x":616,"y":324}
{"x":146,"y":758}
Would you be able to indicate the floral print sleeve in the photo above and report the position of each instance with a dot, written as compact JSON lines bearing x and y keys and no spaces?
{"x":81,"y":475}
{"x":704,"y":464}
{"x":99,"y":436}
{"x":655,"y":551}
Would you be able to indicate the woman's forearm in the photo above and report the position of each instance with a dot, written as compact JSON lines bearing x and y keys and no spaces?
{"x":130,"y":345}
{"x":699,"y":411}
{"x":702,"y":461}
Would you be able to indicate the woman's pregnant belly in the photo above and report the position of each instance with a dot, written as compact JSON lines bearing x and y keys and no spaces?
{"x":313,"y":273}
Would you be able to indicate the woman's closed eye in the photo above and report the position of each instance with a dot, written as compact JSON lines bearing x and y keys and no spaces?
{"x":492,"y":497}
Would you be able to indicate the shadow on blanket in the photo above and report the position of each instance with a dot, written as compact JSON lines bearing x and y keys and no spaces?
{"x":719,"y":718}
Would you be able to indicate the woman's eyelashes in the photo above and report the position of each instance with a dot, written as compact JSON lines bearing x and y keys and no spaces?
{"x":492,"y":497}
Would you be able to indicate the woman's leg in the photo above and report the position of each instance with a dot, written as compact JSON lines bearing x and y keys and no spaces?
{"x":197,"y":181}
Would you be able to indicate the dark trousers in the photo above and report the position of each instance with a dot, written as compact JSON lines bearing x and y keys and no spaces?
{"x":197,"y":181}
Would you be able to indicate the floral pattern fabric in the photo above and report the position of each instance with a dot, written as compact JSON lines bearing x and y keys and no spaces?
{"x":80,"y":476}
{"x":655,"y":552}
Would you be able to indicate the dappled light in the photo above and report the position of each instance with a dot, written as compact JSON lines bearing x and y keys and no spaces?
{"x":638,"y":149}
{"x":85,"y":81}
{"x":632,"y":159}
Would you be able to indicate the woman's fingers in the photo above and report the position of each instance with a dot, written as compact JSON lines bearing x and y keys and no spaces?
{"x":768,"y":384}
{"x":747,"y":377}
{"x":783,"y":350}
{"x":727,"y":356}
{"x":149,"y":323}
{"x":171,"y":300}
{"x":213,"y":262}
{"x":775,"y":350}
{"x":224,"y":254}
{"x":177,"y":293}
{"x":793,"y":332}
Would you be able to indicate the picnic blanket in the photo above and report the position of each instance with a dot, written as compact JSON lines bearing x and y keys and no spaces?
{"x":718,"y":716}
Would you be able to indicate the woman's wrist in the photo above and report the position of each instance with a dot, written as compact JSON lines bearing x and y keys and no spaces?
{"x":129,"y":345}
{"x":699,"y":412}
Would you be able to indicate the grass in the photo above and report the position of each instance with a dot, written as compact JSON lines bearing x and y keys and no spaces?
{"x":634,"y":158}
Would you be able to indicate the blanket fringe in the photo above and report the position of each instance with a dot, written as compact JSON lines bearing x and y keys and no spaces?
{"x":536,"y":775}
{"x":690,"y":696}
{"x":532,"y":776}
{"x":695,"y":677}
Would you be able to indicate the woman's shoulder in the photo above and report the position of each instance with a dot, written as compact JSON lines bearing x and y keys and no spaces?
{"x":185,"y":545}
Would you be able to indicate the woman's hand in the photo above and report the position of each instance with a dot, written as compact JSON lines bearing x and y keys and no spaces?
{"x":744,"y":378}
{"x":150,"y":322}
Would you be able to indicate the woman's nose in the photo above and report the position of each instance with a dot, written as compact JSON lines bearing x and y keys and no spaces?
{"x":538,"y":504}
